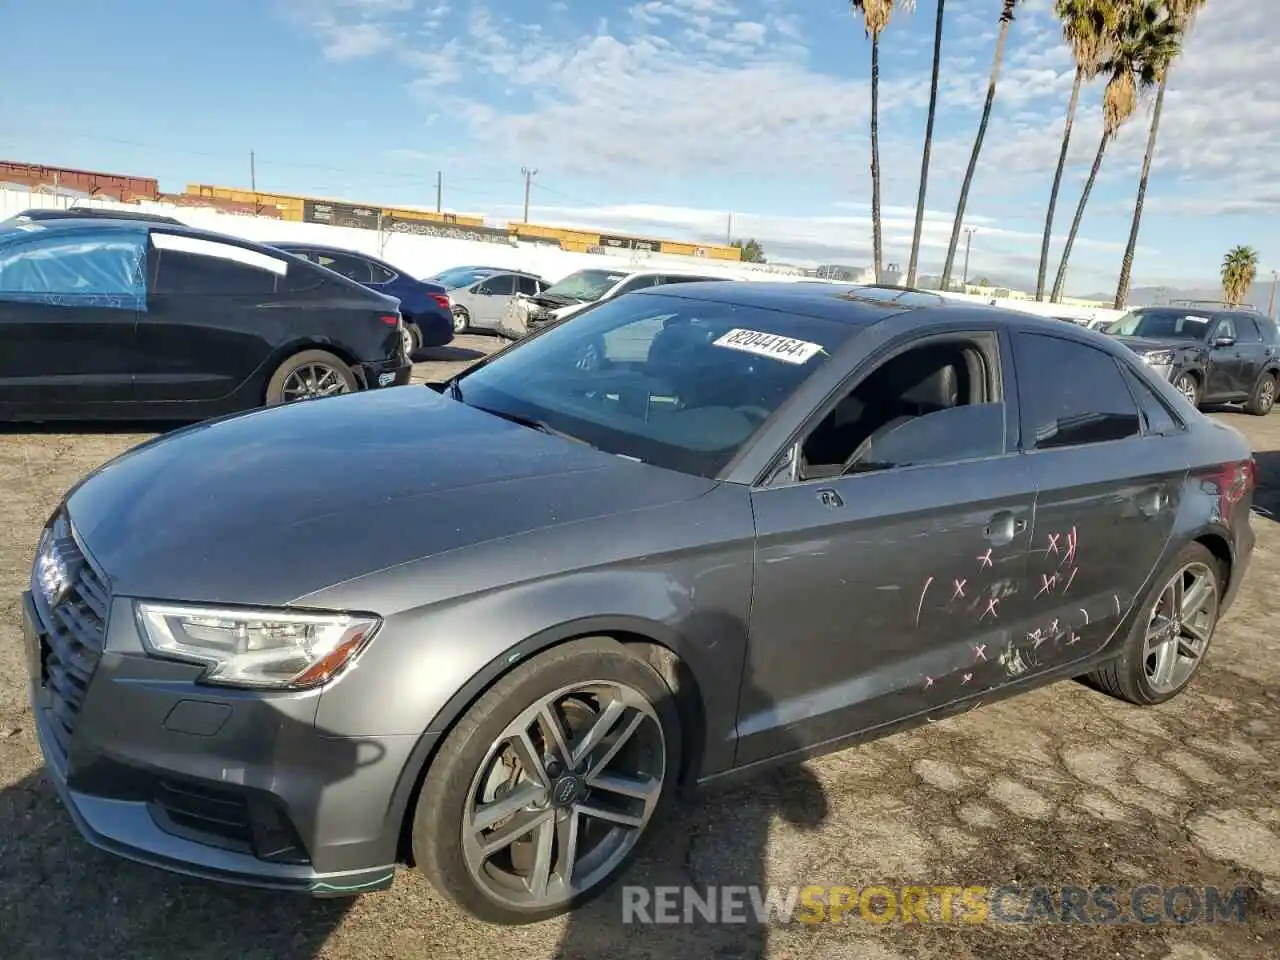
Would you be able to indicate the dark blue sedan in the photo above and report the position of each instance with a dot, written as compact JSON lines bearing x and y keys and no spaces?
{"x":425,"y":306}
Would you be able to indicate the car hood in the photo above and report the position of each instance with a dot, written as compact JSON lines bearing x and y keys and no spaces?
{"x":267,"y":507}
{"x":1146,"y":344}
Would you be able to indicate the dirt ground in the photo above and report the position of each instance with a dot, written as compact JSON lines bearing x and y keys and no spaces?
{"x":1061,"y":787}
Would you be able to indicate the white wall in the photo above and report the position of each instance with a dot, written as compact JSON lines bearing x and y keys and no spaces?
{"x":423,"y":256}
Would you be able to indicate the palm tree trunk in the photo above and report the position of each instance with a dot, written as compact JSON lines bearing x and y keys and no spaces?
{"x":1126,"y":265}
{"x":928,"y":145}
{"x":876,"y":236}
{"x":1057,"y":184}
{"x":1006,"y":17}
{"x":1075,"y":224}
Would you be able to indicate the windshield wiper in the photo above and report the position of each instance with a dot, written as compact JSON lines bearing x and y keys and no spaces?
{"x":534,"y":424}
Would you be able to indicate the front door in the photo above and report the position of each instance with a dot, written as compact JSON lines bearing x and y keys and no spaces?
{"x":1109,"y":490}
{"x":885,"y":594}
{"x":491,"y":299}
{"x":69,"y":305}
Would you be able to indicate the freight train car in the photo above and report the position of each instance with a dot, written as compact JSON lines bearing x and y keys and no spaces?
{"x":107,"y":186}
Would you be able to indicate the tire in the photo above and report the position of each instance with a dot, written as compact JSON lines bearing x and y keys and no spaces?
{"x":1130,"y":676}
{"x":1263,"y":397}
{"x":282,"y":381}
{"x":412,"y":340}
{"x":1189,"y":386}
{"x":461,"y":320}
{"x":459,"y":789}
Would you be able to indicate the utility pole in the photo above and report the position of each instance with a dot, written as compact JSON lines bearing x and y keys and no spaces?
{"x":1271,"y":307}
{"x":253,"y":174}
{"x":528,"y":182}
{"x":729,"y":233}
{"x":439,"y":190}
{"x":968,"y":242}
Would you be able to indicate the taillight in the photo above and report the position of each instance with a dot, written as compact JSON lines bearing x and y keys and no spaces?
{"x":1234,"y":481}
{"x":442,"y":299}
{"x":390,"y":319}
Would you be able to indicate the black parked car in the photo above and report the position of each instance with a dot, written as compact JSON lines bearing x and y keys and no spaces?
{"x":134,"y":319}
{"x":770,"y":521}
{"x":1212,"y":355}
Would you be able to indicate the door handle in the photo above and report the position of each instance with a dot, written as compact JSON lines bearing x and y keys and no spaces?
{"x":1003,"y":527}
{"x":830,"y":498}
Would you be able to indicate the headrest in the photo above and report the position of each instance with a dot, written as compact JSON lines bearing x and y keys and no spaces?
{"x":941,"y":388}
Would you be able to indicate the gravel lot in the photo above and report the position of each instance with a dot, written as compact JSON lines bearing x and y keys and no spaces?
{"x":1060,"y":787}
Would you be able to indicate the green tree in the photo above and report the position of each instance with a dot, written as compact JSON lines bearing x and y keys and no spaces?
{"x":875,"y":16}
{"x":1087,"y":27}
{"x":1145,"y":42}
{"x":752,"y":252}
{"x":1183,"y":14}
{"x":1006,"y":18}
{"x":1239,"y":268}
{"x":914,"y":263}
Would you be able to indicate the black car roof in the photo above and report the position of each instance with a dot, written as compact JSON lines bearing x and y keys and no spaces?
{"x":42,"y":214}
{"x":847,"y":303}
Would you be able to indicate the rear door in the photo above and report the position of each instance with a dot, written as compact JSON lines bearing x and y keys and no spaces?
{"x":1108,"y":490}
{"x":69,"y":306}
{"x":1225,"y":361}
{"x":212,"y":317}
{"x":1253,"y":351}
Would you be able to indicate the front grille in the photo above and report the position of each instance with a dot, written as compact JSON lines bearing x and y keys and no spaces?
{"x":75,"y":631}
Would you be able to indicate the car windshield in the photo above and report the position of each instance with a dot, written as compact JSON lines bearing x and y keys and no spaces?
{"x":675,"y":382}
{"x":1165,"y":324}
{"x":460,"y":277}
{"x":585,"y":285}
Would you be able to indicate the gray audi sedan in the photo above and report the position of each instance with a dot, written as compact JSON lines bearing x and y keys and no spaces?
{"x":490,"y":627}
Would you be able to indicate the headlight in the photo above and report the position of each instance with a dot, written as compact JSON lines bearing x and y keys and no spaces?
{"x":1158,"y":358}
{"x":276,"y":649}
{"x":52,"y":571}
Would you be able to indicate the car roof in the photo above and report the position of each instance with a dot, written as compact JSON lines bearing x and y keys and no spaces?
{"x":41,"y":214}
{"x":848,"y":303}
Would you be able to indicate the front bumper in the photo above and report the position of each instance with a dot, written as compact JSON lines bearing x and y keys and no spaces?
{"x":385,"y":373}
{"x":228,"y":786}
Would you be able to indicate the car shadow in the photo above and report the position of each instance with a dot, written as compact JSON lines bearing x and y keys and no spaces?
{"x":1266,"y":498}
{"x":447,"y":354}
{"x":61,"y":897}
{"x":707,"y":845}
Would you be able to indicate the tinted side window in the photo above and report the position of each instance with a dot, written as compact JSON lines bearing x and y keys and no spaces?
{"x":527,"y":285}
{"x":85,"y":264}
{"x":1247,"y":330}
{"x":1071,"y":394}
{"x":1226,"y":328}
{"x":503,"y":285}
{"x":1156,"y":416}
{"x":380,"y":273}
{"x":353,"y":268}
{"x":637,"y":283}
{"x":179,"y":272}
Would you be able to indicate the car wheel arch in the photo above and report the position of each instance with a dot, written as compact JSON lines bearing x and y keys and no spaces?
{"x":653,"y":642}
{"x":1218,"y":545}
{"x":282,"y":354}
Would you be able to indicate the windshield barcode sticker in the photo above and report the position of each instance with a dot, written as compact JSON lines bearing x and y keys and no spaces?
{"x":769,"y":345}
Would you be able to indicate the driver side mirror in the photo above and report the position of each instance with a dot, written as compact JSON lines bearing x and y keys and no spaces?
{"x":1224,"y":341}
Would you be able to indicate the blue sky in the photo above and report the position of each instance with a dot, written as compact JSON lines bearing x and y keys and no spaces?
{"x":658,"y":116}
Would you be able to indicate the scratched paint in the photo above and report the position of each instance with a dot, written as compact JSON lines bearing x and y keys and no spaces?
{"x":985,"y":560}
{"x":920,"y":605}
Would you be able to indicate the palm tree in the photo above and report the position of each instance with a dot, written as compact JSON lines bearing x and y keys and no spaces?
{"x":1087,"y":25}
{"x":928,"y":145}
{"x":875,"y":17}
{"x":1145,"y":41}
{"x":1183,"y":13}
{"x":1006,"y":18}
{"x":1239,"y":268}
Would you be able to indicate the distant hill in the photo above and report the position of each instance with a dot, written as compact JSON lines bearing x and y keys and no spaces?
{"x":1259,"y":295}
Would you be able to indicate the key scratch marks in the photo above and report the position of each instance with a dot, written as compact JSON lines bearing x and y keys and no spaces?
{"x":1072,"y":542}
{"x":966,"y":678}
{"x":920,"y":605}
{"x":1053,"y":543}
{"x":1086,"y":616}
{"x":1070,"y":578}
{"x":959,"y":588}
{"x":1116,"y":598}
{"x":980,"y":651}
{"x":1075,"y":638}
{"x":985,"y":560}
{"x":928,"y":682}
{"x":1047,"y":582}
{"x":993,"y":608}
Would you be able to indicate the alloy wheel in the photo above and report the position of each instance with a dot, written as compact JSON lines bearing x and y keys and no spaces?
{"x":1186,"y":385}
{"x":1267,"y":394}
{"x":460,"y":321}
{"x":313,"y":380}
{"x":1181,"y":625}
{"x":406,"y":336}
{"x":564,"y":794}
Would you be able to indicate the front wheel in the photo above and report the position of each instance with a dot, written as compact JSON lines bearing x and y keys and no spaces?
{"x":310,"y":375}
{"x":542,"y":793}
{"x":1169,"y":641}
{"x":1189,"y":387}
{"x":1263,"y":397}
